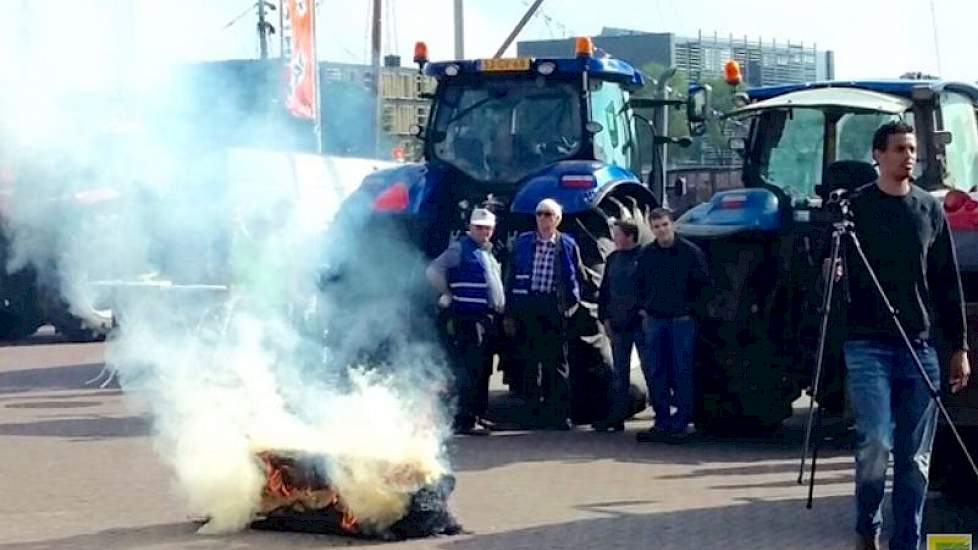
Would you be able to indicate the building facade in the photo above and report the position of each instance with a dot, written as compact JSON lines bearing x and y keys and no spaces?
{"x":402,"y":90}
{"x":702,"y":57}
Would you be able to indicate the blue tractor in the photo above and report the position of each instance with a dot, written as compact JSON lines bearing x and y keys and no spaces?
{"x":504,"y":134}
{"x":766,"y":242}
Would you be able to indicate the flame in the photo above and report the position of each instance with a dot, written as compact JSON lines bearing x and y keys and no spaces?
{"x":349,"y":522}
{"x":288,"y":486}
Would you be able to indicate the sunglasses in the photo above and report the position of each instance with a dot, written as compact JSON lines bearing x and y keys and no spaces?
{"x":546,"y":214}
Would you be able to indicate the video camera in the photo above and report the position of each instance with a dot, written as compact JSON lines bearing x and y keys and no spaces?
{"x":837,"y":208}
{"x":835,"y":211}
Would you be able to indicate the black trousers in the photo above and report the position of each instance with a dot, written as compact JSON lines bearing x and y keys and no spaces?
{"x":542,"y":341}
{"x":472,"y":342}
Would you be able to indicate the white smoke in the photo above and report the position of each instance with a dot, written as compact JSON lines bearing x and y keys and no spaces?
{"x":210,"y":259}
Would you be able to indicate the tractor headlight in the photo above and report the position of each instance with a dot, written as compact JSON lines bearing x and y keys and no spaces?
{"x":547,"y":68}
{"x":451,"y":70}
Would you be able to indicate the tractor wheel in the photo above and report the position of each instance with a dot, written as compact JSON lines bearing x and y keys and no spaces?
{"x":588,"y":344}
{"x":742,"y":392}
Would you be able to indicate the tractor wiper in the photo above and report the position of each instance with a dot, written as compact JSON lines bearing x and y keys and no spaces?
{"x":469,"y":109}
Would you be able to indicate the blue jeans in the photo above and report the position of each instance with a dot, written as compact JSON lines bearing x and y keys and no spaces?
{"x":622,"y":342}
{"x":669,"y":346}
{"x":894,"y":412}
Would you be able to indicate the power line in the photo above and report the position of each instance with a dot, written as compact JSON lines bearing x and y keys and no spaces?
{"x":549,"y":20}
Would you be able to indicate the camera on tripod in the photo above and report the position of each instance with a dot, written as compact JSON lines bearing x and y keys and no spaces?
{"x":837,"y":209}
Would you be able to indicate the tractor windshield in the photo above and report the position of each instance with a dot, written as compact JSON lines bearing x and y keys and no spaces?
{"x":790,"y":149}
{"x":503,"y":130}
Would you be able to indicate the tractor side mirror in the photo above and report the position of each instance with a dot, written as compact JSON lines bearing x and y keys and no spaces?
{"x":641,"y":103}
{"x":698,"y":104}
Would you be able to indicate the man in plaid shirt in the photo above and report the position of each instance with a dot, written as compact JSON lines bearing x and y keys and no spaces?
{"x":543,"y":291}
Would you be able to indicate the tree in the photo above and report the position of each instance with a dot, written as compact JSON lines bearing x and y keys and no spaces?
{"x":722,"y":102}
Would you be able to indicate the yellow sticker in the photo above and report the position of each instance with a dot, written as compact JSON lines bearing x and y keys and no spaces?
{"x":506,"y":64}
{"x":949,"y":542}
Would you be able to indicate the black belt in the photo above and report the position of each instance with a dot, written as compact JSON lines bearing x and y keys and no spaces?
{"x":683,"y":317}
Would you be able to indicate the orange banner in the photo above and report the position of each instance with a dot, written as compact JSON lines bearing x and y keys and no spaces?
{"x":302,"y":96}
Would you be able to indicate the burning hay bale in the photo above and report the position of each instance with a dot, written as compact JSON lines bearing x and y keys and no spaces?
{"x":298,"y":495}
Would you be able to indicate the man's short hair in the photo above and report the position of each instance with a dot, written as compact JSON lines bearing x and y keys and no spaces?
{"x":661,"y":213}
{"x":551,"y":206}
{"x":881,"y":138}
{"x":629,"y":228}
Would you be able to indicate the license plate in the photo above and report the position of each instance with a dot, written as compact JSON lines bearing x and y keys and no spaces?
{"x":506,"y":64}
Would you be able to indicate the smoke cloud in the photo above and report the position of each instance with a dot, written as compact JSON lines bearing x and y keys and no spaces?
{"x":210,"y":258}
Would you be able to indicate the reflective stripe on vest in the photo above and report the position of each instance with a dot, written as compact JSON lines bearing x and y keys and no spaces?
{"x":467,"y":281}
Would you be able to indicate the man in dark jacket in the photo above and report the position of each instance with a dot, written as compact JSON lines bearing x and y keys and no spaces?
{"x":905,"y":236}
{"x":469,"y":279}
{"x":672,"y":275}
{"x":618,"y":311}
{"x":543,"y":291}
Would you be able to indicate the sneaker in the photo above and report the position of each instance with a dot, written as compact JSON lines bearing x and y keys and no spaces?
{"x":564,"y":425}
{"x":606,"y":426}
{"x":652,"y":435}
{"x":472,"y":430}
{"x":868,"y":542}
{"x":487,"y":424}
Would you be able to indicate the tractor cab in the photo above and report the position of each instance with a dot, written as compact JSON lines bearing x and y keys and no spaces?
{"x":497,"y":121}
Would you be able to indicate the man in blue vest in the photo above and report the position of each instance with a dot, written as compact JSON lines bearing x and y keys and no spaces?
{"x":543,"y":292}
{"x":470,"y":281}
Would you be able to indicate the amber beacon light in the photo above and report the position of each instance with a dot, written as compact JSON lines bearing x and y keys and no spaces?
{"x":731,"y":72}
{"x":583,"y":46}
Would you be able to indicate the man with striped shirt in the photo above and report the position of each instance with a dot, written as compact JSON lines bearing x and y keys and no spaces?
{"x":543,"y":292}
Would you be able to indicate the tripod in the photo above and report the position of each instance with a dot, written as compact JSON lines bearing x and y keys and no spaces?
{"x":843,"y":227}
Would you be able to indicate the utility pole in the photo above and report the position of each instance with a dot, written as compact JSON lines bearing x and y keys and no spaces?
{"x":375,"y":76}
{"x":662,"y":131}
{"x":519,"y":27}
{"x":262,"y":36}
{"x":459,"y":31}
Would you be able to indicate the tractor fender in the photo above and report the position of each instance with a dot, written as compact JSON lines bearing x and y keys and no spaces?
{"x":578,"y":185}
{"x":733,"y":211}
{"x":398,"y":190}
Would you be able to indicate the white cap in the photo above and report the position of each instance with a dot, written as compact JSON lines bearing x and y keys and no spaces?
{"x":481,"y":216}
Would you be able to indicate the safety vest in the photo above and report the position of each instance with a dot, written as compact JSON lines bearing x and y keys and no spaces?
{"x":467,"y":281}
{"x":523,"y":266}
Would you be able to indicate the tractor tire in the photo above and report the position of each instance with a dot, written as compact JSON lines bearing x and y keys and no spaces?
{"x":588,"y":345}
{"x":741,"y":395}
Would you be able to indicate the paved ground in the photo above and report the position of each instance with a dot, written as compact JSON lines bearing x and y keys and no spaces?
{"x":78,"y":471}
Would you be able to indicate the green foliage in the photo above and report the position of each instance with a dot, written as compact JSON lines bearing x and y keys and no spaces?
{"x":722,"y":102}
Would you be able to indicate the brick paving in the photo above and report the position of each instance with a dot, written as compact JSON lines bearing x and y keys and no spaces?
{"x":78,"y":471}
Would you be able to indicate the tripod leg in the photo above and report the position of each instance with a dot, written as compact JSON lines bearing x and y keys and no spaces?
{"x":935,"y":393}
{"x":820,"y":355}
{"x":811,"y":478}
